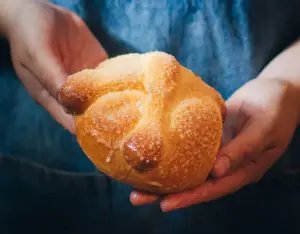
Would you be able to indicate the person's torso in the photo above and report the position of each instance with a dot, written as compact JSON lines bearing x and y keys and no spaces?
{"x":227,"y":43}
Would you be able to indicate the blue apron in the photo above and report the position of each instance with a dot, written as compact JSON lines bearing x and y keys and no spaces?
{"x":47,"y":184}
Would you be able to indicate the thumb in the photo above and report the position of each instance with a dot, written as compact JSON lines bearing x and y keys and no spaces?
{"x":47,"y":67}
{"x":251,"y":139}
{"x":43,"y":75}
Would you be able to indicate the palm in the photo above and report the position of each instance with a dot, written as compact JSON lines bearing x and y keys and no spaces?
{"x":78,"y":48}
{"x":259,"y":105}
{"x":48,"y":43}
{"x":71,"y":41}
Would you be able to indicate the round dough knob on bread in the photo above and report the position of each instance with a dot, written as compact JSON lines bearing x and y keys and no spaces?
{"x":147,"y":121}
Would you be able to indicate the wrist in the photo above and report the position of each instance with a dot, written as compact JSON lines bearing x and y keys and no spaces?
{"x":9,"y":10}
{"x":290,"y":92}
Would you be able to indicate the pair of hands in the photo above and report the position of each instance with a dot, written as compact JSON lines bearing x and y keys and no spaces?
{"x":48,"y":43}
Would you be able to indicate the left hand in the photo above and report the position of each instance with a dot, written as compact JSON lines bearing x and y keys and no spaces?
{"x":48,"y":43}
{"x":261,"y":119}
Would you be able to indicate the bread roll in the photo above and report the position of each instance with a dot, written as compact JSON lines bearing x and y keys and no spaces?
{"x":147,"y":121}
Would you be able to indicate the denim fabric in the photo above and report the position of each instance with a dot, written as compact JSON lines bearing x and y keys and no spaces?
{"x":35,"y":199}
{"x":47,"y":185}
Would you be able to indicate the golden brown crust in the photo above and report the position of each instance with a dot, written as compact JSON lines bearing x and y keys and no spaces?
{"x":147,"y":121}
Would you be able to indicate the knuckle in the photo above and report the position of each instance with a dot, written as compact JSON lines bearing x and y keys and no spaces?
{"x":248,"y":150}
{"x":245,"y":152}
{"x":30,"y":55}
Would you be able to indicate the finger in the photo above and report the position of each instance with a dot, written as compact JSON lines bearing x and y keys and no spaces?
{"x":209,"y":191}
{"x":42,"y":97}
{"x":140,"y":198}
{"x":56,"y":110}
{"x":251,"y":140}
{"x":48,"y":69}
{"x":229,"y":128}
{"x":217,"y":188}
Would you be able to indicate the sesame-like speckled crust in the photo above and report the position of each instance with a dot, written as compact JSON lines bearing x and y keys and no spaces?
{"x":147,"y":121}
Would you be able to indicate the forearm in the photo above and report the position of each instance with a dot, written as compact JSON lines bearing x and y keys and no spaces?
{"x":9,"y":10}
{"x":286,"y":67}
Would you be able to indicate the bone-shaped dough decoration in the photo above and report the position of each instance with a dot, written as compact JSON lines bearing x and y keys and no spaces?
{"x":147,"y":121}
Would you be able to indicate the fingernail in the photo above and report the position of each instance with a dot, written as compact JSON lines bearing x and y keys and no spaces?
{"x":222,"y":165}
{"x":167,"y":206}
{"x":134,"y":198}
{"x":67,"y":111}
{"x":133,"y":195}
{"x":138,"y":199}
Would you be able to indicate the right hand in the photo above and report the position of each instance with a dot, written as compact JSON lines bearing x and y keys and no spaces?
{"x":48,"y":43}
